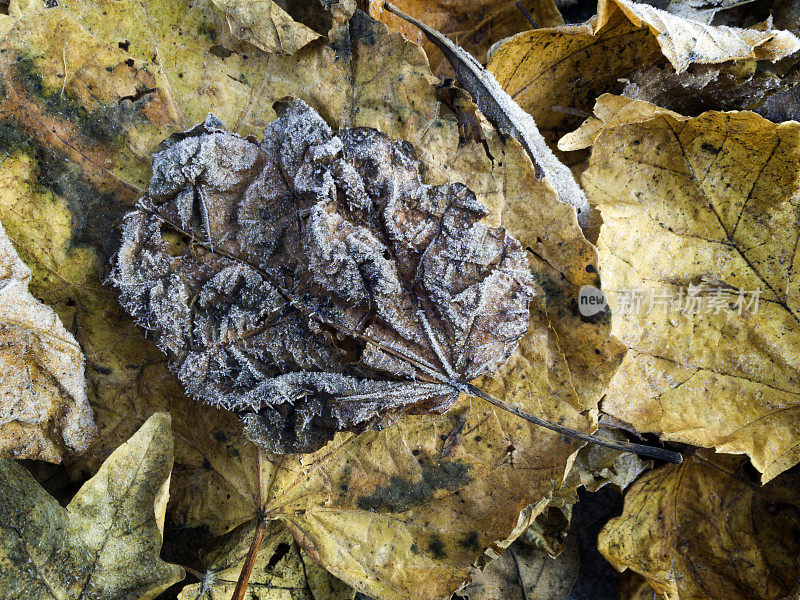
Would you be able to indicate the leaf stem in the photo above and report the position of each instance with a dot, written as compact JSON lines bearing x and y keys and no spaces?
{"x":640,"y":449}
{"x":247,"y":569}
{"x":528,"y":16}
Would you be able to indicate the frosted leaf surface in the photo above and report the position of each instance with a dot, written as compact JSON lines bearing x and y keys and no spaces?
{"x":44,"y":412}
{"x":312,"y":283}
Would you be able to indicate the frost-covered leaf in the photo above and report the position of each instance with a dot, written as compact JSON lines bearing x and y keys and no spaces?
{"x":702,"y":11}
{"x":312,"y":283}
{"x":704,"y":530}
{"x":711,"y":203}
{"x":282,"y":570}
{"x":43,"y":405}
{"x":104,"y":545}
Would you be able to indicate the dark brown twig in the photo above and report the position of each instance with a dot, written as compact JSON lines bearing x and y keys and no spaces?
{"x":247,"y":569}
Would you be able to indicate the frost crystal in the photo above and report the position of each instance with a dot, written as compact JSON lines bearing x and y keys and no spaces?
{"x":312,"y":282}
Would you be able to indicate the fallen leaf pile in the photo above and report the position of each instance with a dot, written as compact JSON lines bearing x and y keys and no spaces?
{"x":263,"y":272}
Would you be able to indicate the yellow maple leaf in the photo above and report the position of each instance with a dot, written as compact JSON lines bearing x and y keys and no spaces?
{"x":105,"y":543}
{"x":702,"y":212}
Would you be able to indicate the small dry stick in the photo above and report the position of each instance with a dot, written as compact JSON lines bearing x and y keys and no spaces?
{"x":244,"y":577}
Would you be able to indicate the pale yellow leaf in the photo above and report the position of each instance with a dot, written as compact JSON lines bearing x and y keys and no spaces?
{"x":105,"y":544}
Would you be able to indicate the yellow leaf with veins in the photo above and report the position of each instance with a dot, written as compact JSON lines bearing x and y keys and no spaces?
{"x":105,"y":544}
{"x":712,"y":203}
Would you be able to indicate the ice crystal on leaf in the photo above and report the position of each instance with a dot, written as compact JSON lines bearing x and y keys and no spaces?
{"x":312,"y":283}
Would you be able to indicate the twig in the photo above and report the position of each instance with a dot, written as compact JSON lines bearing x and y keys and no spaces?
{"x":262,"y":524}
{"x":528,"y":16}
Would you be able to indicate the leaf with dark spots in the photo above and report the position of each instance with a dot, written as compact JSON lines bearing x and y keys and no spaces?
{"x":401,"y":494}
{"x":325,"y":285}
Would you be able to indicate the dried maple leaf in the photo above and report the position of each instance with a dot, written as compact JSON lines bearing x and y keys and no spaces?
{"x":555,"y":74}
{"x":708,"y":202}
{"x":104,"y":545}
{"x":43,"y":406}
{"x":320,"y":284}
{"x":704,"y":530}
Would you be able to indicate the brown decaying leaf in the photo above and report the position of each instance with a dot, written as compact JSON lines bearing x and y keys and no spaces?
{"x":43,"y":406}
{"x":104,"y":545}
{"x":472,"y":24}
{"x":708,"y":202}
{"x":526,"y":573}
{"x":704,"y":530}
{"x":727,"y":86}
{"x":555,"y":74}
{"x":316,"y":284}
{"x":64,"y":194}
{"x":701,"y":10}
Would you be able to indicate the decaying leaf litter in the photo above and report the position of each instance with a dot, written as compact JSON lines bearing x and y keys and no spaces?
{"x":99,"y":157}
